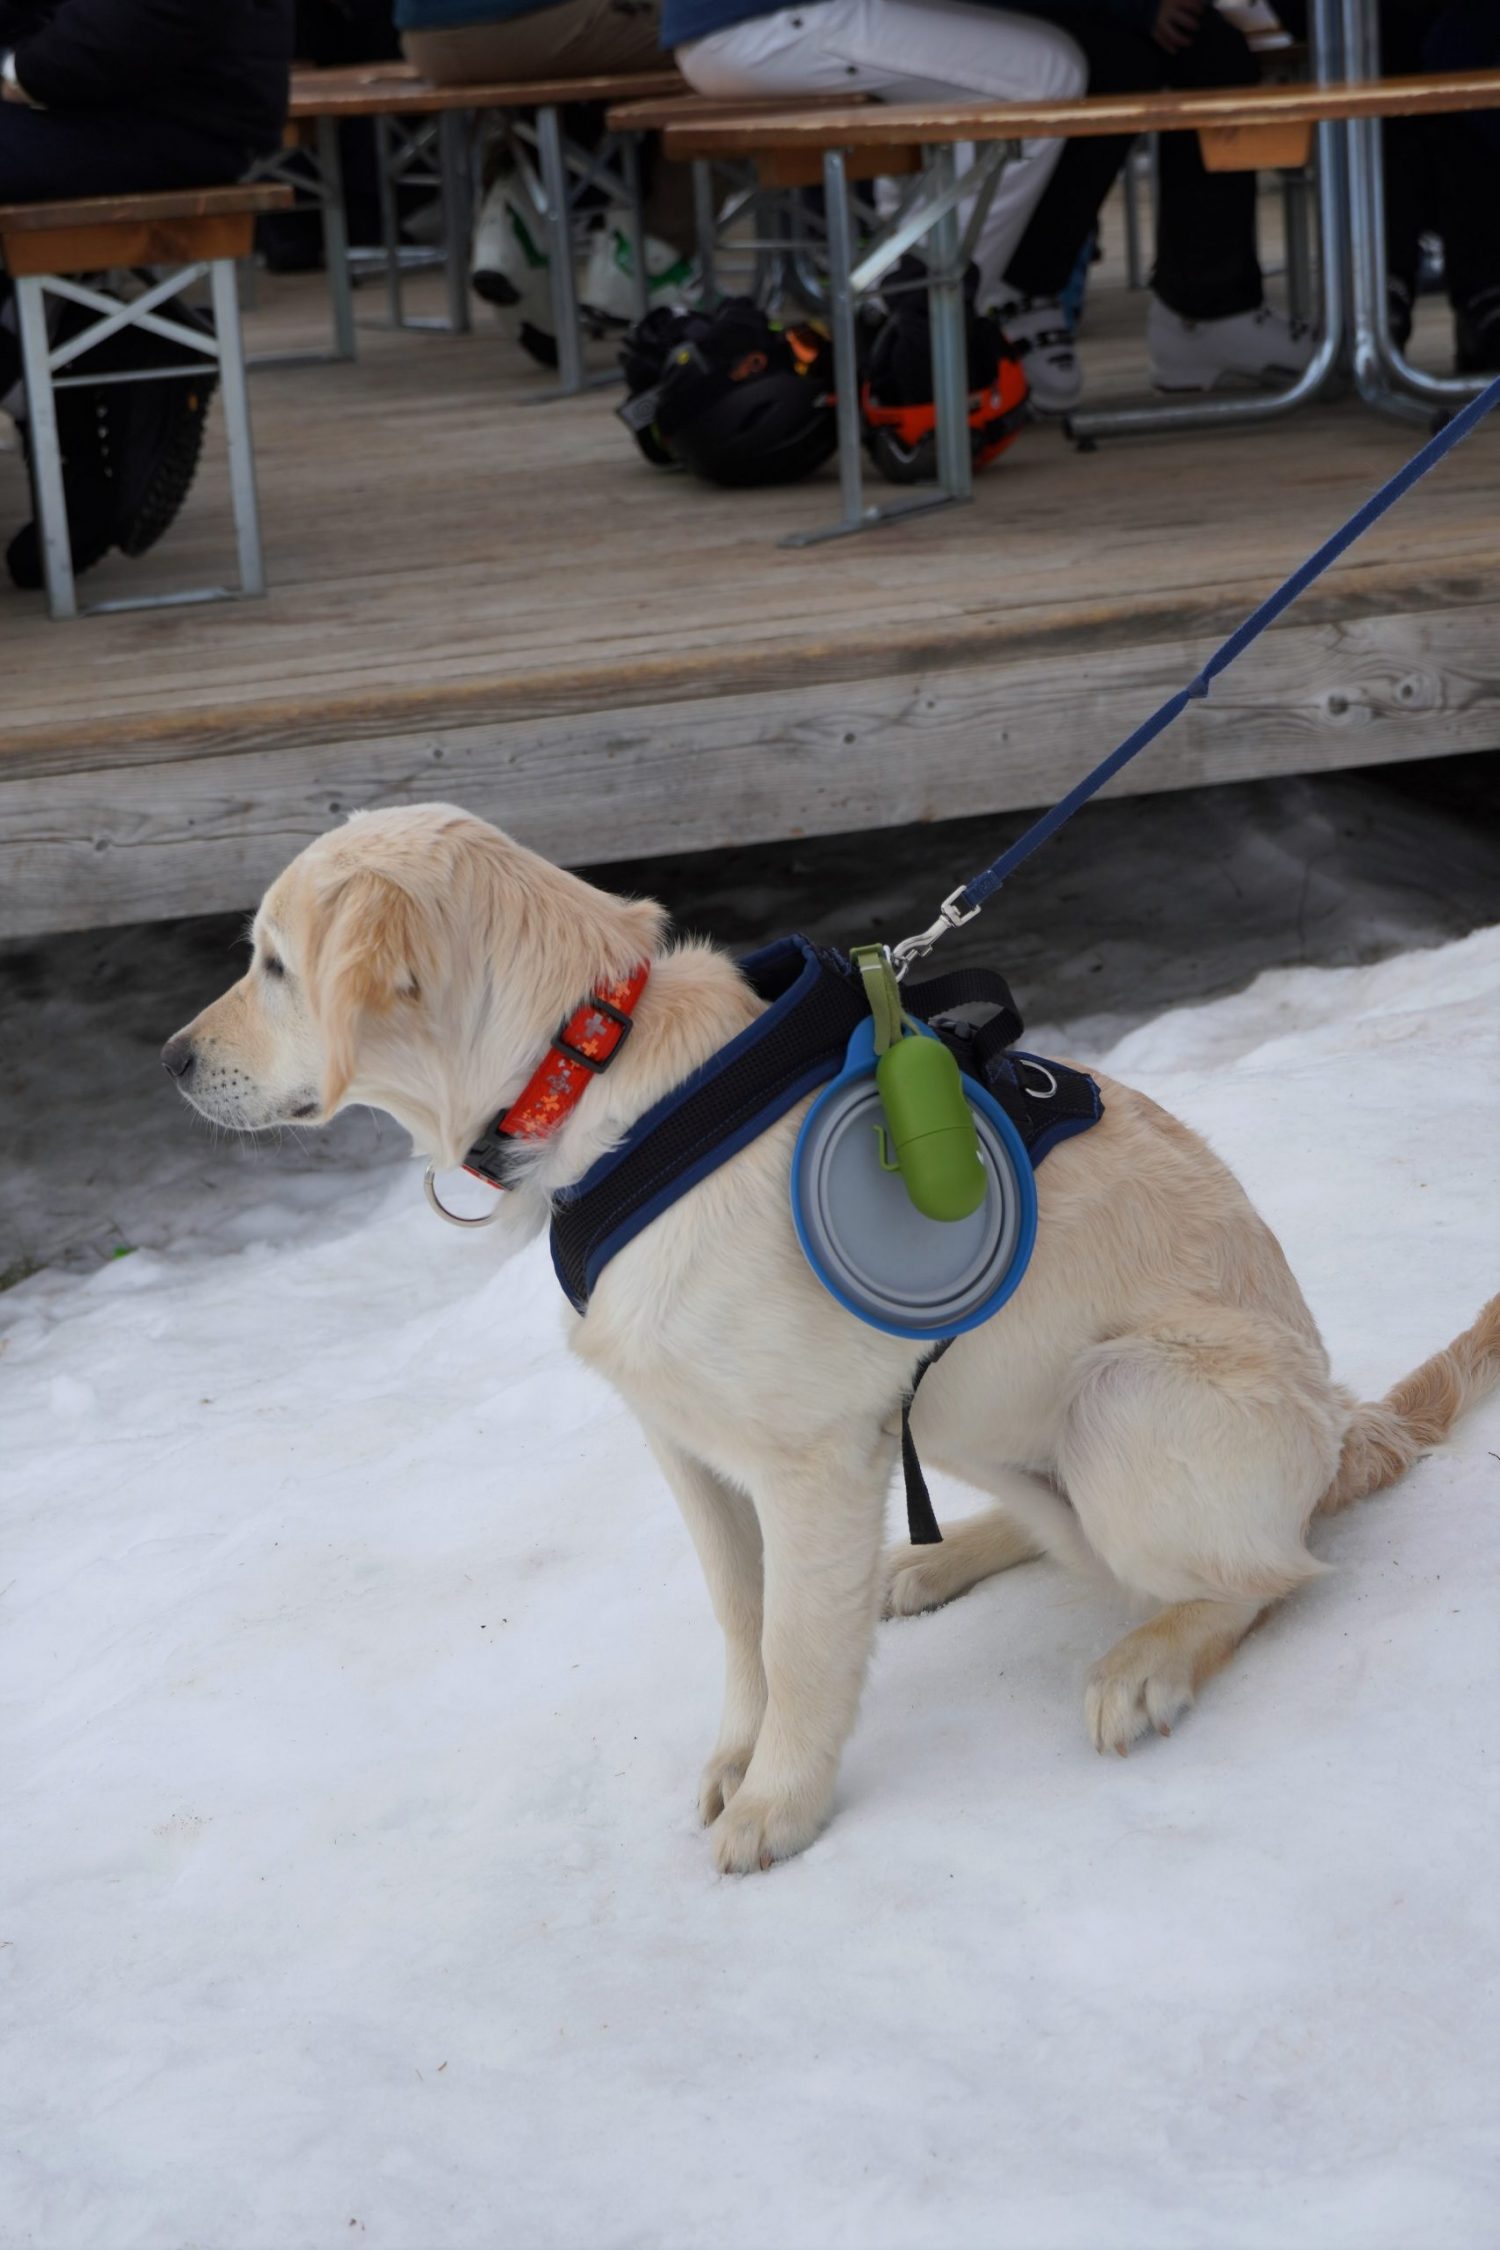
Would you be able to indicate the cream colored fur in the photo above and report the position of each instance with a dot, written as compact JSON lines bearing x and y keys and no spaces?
{"x":1159,"y":1378}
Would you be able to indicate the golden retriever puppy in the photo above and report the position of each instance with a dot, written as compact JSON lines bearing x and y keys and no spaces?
{"x":1158,"y":1374}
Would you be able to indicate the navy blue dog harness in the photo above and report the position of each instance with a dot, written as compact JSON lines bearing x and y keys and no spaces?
{"x":815,"y":1002}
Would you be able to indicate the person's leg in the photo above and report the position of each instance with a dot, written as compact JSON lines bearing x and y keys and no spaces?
{"x":1065,"y":218}
{"x":1209,"y":322}
{"x":1206,"y":266}
{"x":904,"y":50}
{"x":1409,"y":149}
{"x":1118,"y":62}
{"x":1463,"y":170}
{"x":579,"y":39}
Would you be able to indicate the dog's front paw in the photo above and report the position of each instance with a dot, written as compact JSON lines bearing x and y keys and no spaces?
{"x":754,"y":1831}
{"x":1139,"y":1685}
{"x":720,"y":1779}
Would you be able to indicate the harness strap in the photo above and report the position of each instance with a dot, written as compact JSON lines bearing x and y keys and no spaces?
{"x":958,"y":991}
{"x":921,"y":1518}
{"x":796,"y":1045}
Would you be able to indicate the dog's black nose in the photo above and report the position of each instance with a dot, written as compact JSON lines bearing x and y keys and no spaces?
{"x":177,"y":1056}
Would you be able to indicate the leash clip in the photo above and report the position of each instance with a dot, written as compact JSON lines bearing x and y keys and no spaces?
{"x":950,"y":917}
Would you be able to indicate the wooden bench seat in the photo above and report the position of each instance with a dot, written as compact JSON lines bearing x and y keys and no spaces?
{"x":389,"y":90}
{"x":190,"y":232}
{"x":134,"y":230}
{"x":1228,"y":121}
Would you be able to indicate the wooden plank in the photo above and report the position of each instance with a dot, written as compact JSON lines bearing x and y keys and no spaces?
{"x":328,"y":711}
{"x":798,"y":168}
{"x":346,"y":93}
{"x":689,"y":108}
{"x":1090,"y":115}
{"x":146,"y":840}
{"x":1284,"y":147}
{"x":171,"y":203}
{"x":132,"y":242}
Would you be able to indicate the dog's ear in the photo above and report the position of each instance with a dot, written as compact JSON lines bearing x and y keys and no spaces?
{"x":376,"y":948}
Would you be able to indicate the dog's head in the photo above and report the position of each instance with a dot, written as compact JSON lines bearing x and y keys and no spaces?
{"x":412,"y":960}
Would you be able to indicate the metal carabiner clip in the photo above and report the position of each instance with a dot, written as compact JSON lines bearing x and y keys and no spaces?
{"x":915,"y":948}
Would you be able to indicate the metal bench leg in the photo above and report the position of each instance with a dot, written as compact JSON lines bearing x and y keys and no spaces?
{"x":706,"y":227}
{"x":335,"y":237}
{"x":237,"y":427}
{"x":1135,"y":270}
{"x":950,"y":373}
{"x":46,"y":457}
{"x":635,"y":223}
{"x":458,"y":212}
{"x":390,"y":222}
{"x":845,"y":355}
{"x":560,"y":251}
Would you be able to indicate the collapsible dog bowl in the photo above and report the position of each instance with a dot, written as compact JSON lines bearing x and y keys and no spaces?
{"x":865,"y":1239}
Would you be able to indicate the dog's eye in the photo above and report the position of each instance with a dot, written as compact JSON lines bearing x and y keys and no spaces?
{"x":273,"y":967}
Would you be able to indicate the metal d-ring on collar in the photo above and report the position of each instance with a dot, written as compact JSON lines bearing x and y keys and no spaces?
{"x":429,"y":1188}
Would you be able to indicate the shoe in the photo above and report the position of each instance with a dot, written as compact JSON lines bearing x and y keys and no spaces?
{"x":129,"y":451}
{"x":509,"y":267}
{"x":1259,"y":347}
{"x":1037,"y":331}
{"x":606,"y":294}
{"x":1477,"y":335}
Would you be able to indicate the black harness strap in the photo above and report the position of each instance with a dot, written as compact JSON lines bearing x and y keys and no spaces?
{"x":921,"y":1519}
{"x":797,"y":1045}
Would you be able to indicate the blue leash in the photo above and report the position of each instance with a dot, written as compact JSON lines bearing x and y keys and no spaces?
{"x":965,"y":903}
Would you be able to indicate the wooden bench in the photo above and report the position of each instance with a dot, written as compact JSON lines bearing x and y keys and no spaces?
{"x":191,"y":233}
{"x":410,"y":114}
{"x":1239,"y":128}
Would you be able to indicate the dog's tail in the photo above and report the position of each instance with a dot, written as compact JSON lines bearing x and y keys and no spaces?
{"x":1387,"y":1435}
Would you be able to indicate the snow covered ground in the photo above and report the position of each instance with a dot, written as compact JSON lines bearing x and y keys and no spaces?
{"x":358,"y":1676}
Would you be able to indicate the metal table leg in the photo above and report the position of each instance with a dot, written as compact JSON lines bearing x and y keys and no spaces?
{"x":1387,"y":379}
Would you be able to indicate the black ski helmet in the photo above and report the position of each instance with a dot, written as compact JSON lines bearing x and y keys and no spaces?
{"x":734,"y":396}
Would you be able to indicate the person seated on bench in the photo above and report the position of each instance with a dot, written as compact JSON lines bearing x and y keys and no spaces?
{"x":900,"y":50}
{"x":506,"y":42}
{"x":114,"y":97}
{"x":1442,"y":174}
{"x":1208,"y":322}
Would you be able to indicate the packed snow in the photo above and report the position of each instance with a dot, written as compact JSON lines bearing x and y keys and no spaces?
{"x":359,"y":1673}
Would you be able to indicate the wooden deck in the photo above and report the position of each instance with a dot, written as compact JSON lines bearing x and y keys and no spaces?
{"x":484,"y":599}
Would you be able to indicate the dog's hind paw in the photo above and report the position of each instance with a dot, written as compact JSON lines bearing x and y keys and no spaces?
{"x":916,"y":1578}
{"x":1137,"y":1688}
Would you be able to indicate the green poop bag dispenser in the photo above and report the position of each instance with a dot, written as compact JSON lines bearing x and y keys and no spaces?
{"x":929,"y":1134}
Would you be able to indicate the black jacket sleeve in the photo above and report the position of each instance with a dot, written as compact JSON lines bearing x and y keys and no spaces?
{"x":96,"y":54}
